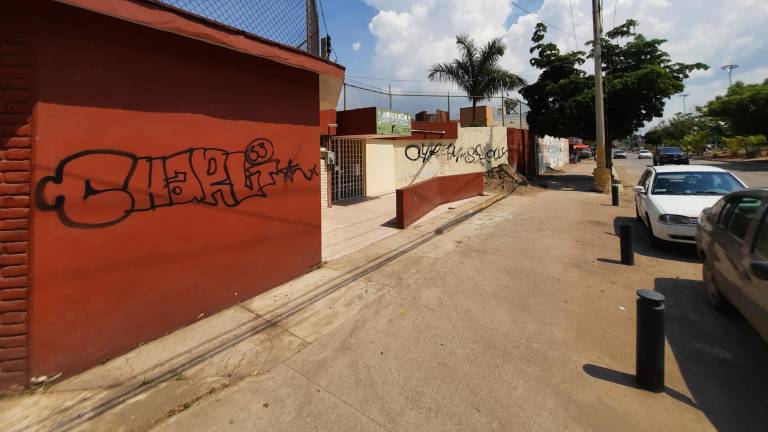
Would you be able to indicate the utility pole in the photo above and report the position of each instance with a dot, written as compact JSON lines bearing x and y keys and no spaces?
{"x":730,"y":69}
{"x":389,"y":86}
{"x":684,"y":95}
{"x":602,"y":173}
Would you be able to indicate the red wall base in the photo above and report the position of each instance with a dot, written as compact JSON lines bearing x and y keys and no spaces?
{"x":416,"y":200}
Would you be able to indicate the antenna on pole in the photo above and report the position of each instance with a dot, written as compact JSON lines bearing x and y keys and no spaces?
{"x":730,"y":69}
{"x":684,"y":95}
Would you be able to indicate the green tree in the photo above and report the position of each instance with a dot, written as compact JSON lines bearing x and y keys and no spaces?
{"x":744,"y":107}
{"x":511,"y":105}
{"x":639,"y":78}
{"x":696,"y":142}
{"x":676,"y":129}
{"x":477,"y":70}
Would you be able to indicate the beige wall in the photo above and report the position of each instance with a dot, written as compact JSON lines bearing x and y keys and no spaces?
{"x":379,"y":168}
{"x":476,"y":150}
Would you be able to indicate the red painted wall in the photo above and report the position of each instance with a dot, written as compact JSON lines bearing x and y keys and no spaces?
{"x":17,"y":78}
{"x":113,"y":264}
{"x":415,"y":201}
{"x":517,"y":144}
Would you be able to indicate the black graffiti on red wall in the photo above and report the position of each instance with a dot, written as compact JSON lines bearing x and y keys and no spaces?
{"x":99,"y":188}
{"x":476,"y":154}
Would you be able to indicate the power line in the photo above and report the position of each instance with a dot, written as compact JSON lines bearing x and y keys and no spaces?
{"x":573,"y":23}
{"x":615,"y":7}
{"x":385,"y":79}
{"x":325,"y":25}
{"x":547,"y":22}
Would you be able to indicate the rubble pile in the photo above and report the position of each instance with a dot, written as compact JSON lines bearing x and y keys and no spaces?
{"x":503,"y":178}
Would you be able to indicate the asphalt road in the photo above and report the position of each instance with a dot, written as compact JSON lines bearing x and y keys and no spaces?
{"x":754,"y":174}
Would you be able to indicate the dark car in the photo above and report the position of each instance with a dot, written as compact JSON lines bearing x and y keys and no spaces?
{"x":670,"y":155}
{"x":732,"y":238}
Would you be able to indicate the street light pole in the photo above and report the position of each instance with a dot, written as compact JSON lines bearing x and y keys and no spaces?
{"x":602,"y":174}
{"x":684,"y":95}
{"x":730,"y":69}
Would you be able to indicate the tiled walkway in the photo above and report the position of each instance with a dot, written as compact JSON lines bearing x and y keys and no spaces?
{"x":356,"y":224}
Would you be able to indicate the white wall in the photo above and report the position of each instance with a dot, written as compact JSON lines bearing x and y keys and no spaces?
{"x":552,"y":153}
{"x":477,"y":149}
{"x":379,"y":168}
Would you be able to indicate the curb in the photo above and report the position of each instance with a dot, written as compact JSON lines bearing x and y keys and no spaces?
{"x":471,"y":212}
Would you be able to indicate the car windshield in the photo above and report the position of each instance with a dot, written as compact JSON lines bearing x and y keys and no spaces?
{"x":670,"y":150}
{"x":695,"y":183}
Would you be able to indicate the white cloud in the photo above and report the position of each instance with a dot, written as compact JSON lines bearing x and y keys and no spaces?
{"x":411,"y":35}
{"x":356,"y":46}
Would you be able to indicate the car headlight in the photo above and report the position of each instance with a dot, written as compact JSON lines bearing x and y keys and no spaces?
{"x":678,"y":220}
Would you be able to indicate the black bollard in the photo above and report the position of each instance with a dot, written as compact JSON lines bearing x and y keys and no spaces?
{"x":649,"y":357}
{"x":625,"y":240}
{"x":614,"y":194}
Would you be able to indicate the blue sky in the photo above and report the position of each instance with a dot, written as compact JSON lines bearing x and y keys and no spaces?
{"x":398,"y":40}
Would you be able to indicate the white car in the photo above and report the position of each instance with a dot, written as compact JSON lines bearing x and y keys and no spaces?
{"x":645,"y":154}
{"x":670,"y":198}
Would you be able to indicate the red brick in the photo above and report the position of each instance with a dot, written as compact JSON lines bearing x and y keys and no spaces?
{"x":13,"y":305}
{"x":19,"y":130}
{"x":13,"y":259}
{"x":14,"y":201}
{"x":16,"y":142}
{"x":16,"y":247}
{"x":14,"y":165}
{"x":15,"y":95}
{"x":12,"y":119}
{"x":19,"y":365}
{"x":13,"y":341}
{"x":13,"y":381}
{"x":13,"y":329}
{"x":14,"y":236}
{"x":12,"y":282}
{"x":14,"y":293}
{"x":15,"y":177}
{"x":19,"y":107}
{"x":14,"y":189}
{"x":13,"y":353}
{"x":15,"y":61}
{"x":17,"y":154}
{"x":13,"y":224}
{"x":12,"y":271}
{"x":13,"y":318}
{"x":16,"y":213}
{"x":14,"y":83}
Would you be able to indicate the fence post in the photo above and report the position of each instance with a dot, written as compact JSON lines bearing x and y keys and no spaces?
{"x":502,"y":110}
{"x":345,"y":96}
{"x":390,"y":96}
{"x":449,"y":105}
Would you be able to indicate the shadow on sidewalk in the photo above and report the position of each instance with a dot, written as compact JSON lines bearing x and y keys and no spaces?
{"x":642,"y":244}
{"x":566,"y":182}
{"x":721,"y":357}
{"x":628,"y":380}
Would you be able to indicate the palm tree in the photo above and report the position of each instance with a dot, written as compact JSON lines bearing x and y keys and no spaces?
{"x":477,"y":71}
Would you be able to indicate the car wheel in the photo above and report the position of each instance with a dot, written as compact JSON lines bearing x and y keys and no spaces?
{"x":715,"y":297}
{"x":655,"y":241}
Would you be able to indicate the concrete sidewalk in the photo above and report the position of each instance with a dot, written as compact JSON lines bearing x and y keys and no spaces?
{"x":142,"y":388}
{"x":518,"y":319}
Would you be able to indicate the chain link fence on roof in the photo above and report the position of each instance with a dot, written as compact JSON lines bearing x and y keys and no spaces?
{"x":289,"y":22}
{"x":358,"y":95}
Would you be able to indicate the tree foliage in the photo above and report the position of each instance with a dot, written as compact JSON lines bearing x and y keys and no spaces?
{"x":744,"y":107}
{"x":675,"y":130}
{"x":639,"y":78}
{"x":477,"y":70}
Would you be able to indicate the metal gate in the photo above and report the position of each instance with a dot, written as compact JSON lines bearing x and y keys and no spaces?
{"x":349,"y":172}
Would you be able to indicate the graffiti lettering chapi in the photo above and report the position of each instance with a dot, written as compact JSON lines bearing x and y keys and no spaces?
{"x":99,"y":188}
{"x":476,"y":154}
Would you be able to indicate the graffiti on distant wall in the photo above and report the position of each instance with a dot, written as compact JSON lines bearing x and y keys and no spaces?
{"x":476,"y":154}
{"x":99,"y":188}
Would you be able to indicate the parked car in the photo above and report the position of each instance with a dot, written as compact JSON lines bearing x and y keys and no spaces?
{"x":670,"y":155}
{"x":669,"y":199}
{"x":585,"y":154}
{"x":645,"y":154}
{"x":732,"y":239}
{"x":619,"y":154}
